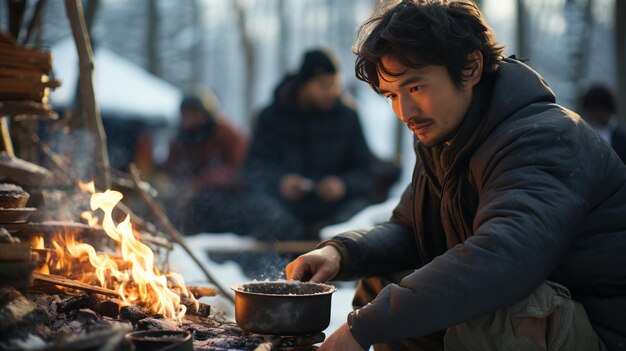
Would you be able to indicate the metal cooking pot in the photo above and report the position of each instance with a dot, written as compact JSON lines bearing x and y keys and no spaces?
{"x":283,"y":307}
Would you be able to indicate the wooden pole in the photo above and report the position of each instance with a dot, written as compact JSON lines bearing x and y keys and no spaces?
{"x":5,"y":136}
{"x":16,"y":16}
{"x":89,"y":106}
{"x":69,"y":283}
{"x":34,"y":20}
{"x":521,"y":37}
{"x":249,"y":57}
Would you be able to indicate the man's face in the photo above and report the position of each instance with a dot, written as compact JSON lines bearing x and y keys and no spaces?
{"x":191,"y":119}
{"x":321,"y":92}
{"x":425,"y":99}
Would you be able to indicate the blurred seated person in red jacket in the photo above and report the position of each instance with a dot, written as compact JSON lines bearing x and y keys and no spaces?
{"x":203,"y":168}
{"x":308,"y":152}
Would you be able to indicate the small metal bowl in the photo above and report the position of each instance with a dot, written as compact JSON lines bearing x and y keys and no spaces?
{"x":161,"y":340}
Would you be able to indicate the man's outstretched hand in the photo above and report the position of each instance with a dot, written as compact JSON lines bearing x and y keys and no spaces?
{"x":317,"y":266}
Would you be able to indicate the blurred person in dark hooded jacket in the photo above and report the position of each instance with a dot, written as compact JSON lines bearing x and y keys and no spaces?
{"x":598,"y":109}
{"x":308,"y":151}
{"x":203,"y":167}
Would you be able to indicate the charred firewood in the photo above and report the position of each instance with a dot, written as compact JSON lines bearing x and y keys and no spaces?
{"x":73,"y":303}
{"x":204,"y":310}
{"x":132,"y":313}
{"x":19,"y":318}
{"x":201,"y":291}
{"x":152,"y":323}
{"x":105,"y":306}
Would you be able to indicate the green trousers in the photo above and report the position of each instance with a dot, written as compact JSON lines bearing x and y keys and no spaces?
{"x":548,"y":319}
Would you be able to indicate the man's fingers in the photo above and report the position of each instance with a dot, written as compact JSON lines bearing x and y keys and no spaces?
{"x":296,"y":270}
{"x":321,"y":276}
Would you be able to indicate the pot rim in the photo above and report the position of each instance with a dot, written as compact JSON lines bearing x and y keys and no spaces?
{"x":237,"y":288}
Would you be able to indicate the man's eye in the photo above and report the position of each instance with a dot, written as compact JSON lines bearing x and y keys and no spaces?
{"x":390,"y":97}
{"x":416,"y":88}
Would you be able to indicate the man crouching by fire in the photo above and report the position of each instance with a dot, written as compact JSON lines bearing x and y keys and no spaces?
{"x":513,"y":228}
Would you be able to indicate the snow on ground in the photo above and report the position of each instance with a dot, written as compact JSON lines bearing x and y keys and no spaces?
{"x":368,"y":217}
{"x":230,"y":273}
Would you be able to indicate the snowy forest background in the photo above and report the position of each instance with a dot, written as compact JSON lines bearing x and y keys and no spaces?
{"x":240,"y":49}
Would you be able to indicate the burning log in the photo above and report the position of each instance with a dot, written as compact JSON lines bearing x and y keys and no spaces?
{"x":132,"y":313}
{"x":201,"y":291}
{"x":68,"y":283}
{"x":109,"y":307}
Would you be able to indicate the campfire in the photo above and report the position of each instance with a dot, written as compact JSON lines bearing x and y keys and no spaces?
{"x":98,"y":284}
{"x":132,"y":273}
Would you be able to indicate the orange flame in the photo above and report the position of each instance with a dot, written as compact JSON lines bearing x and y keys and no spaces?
{"x":37,"y":242}
{"x":138,"y":281}
{"x":89,"y":187}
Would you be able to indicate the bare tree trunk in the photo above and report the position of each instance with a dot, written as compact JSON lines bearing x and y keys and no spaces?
{"x":284,"y":37}
{"x":197,"y":49}
{"x":620,"y":48}
{"x":89,"y":15}
{"x":521,"y":35}
{"x":249,"y":58}
{"x":152,"y":36}
{"x":35,"y":21}
{"x":89,"y":106}
{"x":581,"y":62}
{"x":16,"y":16}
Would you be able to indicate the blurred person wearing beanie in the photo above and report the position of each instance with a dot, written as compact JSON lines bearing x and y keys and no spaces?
{"x":308,"y":151}
{"x":203,"y":167}
{"x":598,"y":109}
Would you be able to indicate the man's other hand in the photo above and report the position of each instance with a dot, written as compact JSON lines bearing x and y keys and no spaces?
{"x":341,"y":339}
{"x":317,"y":266}
{"x":331,"y":189}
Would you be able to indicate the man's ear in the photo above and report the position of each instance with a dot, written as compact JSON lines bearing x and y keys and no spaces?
{"x":474,"y":71}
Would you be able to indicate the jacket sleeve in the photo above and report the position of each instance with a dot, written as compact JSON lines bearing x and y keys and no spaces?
{"x":261,"y":169}
{"x":381,"y":249}
{"x":532,"y":196}
{"x":358,"y":175}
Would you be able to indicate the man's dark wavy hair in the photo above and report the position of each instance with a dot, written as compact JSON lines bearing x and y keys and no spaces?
{"x":425,"y":32}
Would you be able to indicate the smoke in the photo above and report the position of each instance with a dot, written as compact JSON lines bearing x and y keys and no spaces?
{"x":63,"y":200}
{"x":258,"y":265}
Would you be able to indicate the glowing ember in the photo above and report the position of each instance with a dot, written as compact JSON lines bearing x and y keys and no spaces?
{"x":133,"y":275}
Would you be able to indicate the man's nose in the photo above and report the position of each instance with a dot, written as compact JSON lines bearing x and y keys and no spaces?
{"x":408,"y":109}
